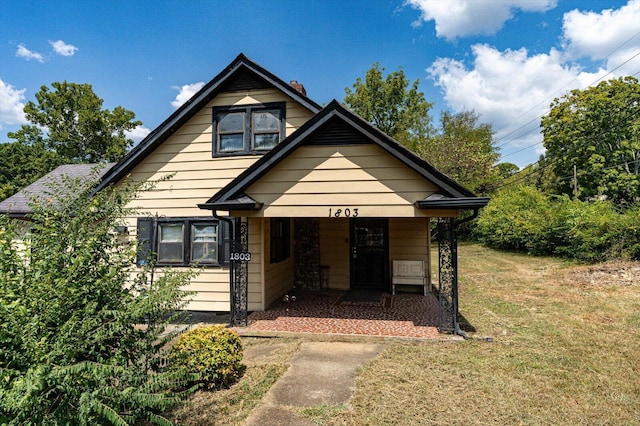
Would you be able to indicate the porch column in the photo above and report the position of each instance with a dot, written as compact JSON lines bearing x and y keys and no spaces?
{"x":448,"y":274}
{"x":239,"y":272}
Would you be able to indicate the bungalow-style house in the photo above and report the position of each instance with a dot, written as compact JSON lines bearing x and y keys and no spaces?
{"x":271,"y":191}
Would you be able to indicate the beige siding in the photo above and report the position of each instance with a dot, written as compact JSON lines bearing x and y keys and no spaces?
{"x":256,"y":269}
{"x":409,"y":240}
{"x":316,"y":181}
{"x":334,"y":251}
{"x":187,"y":155}
{"x":278,"y":276}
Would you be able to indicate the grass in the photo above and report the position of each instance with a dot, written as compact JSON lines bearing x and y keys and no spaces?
{"x":565,"y":351}
{"x":232,"y":406}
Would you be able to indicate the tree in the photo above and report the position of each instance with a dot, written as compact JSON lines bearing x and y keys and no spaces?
{"x":77,"y":129}
{"x":463,"y":149}
{"x":393,"y":105}
{"x":506,"y":170}
{"x":597,"y":130}
{"x":70,"y":350}
{"x":22,"y":165}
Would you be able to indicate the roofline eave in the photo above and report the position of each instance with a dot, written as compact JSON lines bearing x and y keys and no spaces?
{"x":465,"y":203}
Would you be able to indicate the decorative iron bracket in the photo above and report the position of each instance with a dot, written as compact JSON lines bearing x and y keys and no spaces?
{"x":448,"y":274}
{"x":239,"y":273}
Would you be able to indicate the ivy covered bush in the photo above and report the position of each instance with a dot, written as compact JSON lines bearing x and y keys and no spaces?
{"x":78,"y":346}
{"x":212,"y":354}
{"x":524,"y":219}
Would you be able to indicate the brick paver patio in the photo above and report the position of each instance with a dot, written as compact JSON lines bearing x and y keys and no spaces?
{"x":400,"y":315}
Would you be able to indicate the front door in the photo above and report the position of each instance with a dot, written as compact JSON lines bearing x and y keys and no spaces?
{"x":369,"y":254}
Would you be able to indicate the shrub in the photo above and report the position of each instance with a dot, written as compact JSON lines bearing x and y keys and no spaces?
{"x":517,"y":219}
{"x":70,"y":351}
{"x":524,"y":219}
{"x":212,"y":353}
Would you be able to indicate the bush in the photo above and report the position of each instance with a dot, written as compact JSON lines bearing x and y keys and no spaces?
{"x":70,"y":350}
{"x":517,"y":220}
{"x":524,"y":219}
{"x":212,"y":353}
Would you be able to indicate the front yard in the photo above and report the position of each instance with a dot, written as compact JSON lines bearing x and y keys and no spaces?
{"x":565,"y":350}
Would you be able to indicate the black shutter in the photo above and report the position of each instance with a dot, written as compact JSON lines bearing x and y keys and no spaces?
{"x":225,"y":248}
{"x":145,"y":240}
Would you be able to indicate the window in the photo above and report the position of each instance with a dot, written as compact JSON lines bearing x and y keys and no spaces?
{"x":170,"y":243}
{"x":280,"y":239}
{"x":204,"y":242}
{"x":182,"y":241}
{"x":248,"y":128}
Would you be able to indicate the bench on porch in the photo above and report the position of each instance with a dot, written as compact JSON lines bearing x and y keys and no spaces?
{"x":409,"y":272}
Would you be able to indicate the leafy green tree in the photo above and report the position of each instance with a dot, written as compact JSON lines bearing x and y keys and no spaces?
{"x":393,"y":105}
{"x":75,"y":126}
{"x":70,"y":349}
{"x":506,"y":170}
{"x":464,"y":149}
{"x":597,"y":130}
{"x":23,"y":164}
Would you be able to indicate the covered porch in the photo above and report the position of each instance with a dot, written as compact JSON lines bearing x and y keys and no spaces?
{"x":327,"y":312}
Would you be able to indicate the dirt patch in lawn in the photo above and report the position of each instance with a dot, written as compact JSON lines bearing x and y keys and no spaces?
{"x":615,"y":273}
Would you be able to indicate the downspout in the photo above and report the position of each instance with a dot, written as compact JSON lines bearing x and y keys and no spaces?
{"x":232,"y":292}
{"x":456,"y":325}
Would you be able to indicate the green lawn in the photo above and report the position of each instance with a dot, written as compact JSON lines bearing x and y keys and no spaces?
{"x":565,"y":350}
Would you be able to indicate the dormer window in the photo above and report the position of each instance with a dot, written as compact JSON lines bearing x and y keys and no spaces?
{"x":247,"y":129}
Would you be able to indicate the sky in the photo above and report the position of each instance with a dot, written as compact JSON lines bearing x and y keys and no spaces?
{"x":507,"y":60}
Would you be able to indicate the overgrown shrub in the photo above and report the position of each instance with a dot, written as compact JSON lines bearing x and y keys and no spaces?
{"x":524,"y":219}
{"x":72,"y":349}
{"x":212,"y":353}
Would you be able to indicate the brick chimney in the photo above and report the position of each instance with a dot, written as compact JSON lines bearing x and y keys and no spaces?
{"x":299,"y":87}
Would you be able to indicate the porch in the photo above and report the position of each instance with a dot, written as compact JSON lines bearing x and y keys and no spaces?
{"x":410,"y":315}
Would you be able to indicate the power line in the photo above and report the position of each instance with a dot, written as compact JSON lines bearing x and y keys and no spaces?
{"x":587,"y":137}
{"x":611,"y":115}
{"x":506,"y":138}
{"x":563,"y":87}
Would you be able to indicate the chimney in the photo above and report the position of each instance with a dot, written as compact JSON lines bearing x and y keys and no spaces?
{"x":299,"y":87}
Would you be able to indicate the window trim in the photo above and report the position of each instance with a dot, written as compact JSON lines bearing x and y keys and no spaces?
{"x":248,"y":111}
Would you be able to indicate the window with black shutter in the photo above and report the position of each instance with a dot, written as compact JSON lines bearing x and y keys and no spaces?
{"x":183,"y":241}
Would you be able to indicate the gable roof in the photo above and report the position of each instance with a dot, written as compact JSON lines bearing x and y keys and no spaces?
{"x":241,"y":74}
{"x":18,"y":205}
{"x":337,"y":123}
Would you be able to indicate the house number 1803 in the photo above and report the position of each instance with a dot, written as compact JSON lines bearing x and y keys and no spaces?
{"x":240,"y":257}
{"x":346,"y":212}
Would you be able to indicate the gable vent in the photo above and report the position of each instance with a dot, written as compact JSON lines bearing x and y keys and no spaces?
{"x":337,"y":132}
{"x":243,"y":80}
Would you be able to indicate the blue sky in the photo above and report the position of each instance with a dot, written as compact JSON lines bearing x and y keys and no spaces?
{"x":505,"y":59}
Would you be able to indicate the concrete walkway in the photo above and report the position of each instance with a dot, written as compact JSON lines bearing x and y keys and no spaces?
{"x":321,"y":373}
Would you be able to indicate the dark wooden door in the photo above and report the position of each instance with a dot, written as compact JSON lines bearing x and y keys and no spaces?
{"x":369,"y":254}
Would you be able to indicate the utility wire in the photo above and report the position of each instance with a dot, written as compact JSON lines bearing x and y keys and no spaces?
{"x":563,"y":87}
{"x":588,"y":137}
{"x":611,"y":115}
{"x":506,"y":138}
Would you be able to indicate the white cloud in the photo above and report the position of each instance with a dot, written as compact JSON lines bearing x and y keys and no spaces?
{"x":510,"y":89}
{"x":612,"y":36}
{"x":27,"y":54}
{"x":185,"y":93}
{"x":11,"y":105}
{"x":62,"y":48}
{"x":459,"y":18}
{"x":137,"y":134}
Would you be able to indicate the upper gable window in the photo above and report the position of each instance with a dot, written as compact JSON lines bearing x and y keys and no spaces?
{"x":247,"y":129}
